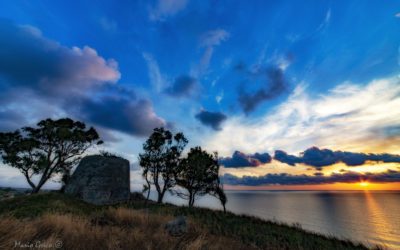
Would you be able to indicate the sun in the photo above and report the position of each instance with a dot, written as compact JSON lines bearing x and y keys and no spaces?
{"x":364,"y":184}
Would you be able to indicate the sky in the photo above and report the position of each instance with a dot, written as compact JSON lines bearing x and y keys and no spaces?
{"x":292,"y":95}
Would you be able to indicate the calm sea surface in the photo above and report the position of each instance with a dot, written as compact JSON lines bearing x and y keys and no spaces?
{"x":371,"y":217}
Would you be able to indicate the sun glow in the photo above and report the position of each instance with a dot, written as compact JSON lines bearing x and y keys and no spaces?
{"x":364,"y":184}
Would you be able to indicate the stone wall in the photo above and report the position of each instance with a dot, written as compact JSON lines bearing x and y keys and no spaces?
{"x":100,"y":180}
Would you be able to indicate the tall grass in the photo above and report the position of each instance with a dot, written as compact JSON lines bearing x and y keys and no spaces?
{"x":49,"y":217}
{"x":111,"y":229}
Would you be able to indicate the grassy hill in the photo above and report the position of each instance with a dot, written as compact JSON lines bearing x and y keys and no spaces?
{"x":55,"y":217}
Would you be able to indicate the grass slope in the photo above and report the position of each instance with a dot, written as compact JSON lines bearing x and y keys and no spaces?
{"x":136,"y":225}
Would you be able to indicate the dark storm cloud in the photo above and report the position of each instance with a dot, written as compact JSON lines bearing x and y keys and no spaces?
{"x":27,"y":59}
{"x":282,"y":156}
{"x":240,"y":159}
{"x":274,"y":85}
{"x":211,"y":119}
{"x":183,"y":86}
{"x":288,"y":179}
{"x":122,"y":114}
{"x":319,"y":158}
{"x":77,"y":81}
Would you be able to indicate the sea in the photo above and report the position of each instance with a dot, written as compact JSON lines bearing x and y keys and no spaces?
{"x":370,"y":217}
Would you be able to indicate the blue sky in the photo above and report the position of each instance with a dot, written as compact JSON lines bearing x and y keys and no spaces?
{"x":252,"y":77}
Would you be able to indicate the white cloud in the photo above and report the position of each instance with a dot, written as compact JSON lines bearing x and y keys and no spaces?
{"x":208,"y":40}
{"x":219,"y":97}
{"x":166,"y":8}
{"x":155,"y":76}
{"x":325,"y":23}
{"x":349,"y":117}
{"x":214,"y":37}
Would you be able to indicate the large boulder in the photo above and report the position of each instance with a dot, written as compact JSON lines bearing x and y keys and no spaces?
{"x":100,"y":180}
{"x":177,"y":227}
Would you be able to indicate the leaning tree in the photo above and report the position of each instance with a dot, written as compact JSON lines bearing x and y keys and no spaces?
{"x":160,"y":160}
{"x":53,"y":147}
{"x":198,"y":175}
{"x":217,"y":190}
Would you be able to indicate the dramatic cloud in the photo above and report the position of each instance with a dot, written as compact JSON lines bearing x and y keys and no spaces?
{"x":166,"y":8}
{"x":47,"y":66}
{"x":288,"y":179}
{"x":123,"y":114}
{"x":282,"y":156}
{"x":183,"y":86}
{"x":318,"y":158}
{"x":211,"y":119}
{"x":349,"y":117}
{"x":60,"y":81}
{"x":240,"y":159}
{"x":274,"y":85}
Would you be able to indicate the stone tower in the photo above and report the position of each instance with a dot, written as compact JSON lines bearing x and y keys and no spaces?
{"x":100,"y":180}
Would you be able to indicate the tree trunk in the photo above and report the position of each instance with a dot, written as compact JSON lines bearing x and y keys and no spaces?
{"x":41,"y":183}
{"x":148,"y":195}
{"x":148,"y":192}
{"x":191,"y":199}
{"x":30,"y":182}
{"x":158,"y":189}
{"x":160,"y":197}
{"x":35,"y":190}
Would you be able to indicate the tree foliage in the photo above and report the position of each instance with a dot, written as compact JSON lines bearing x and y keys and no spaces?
{"x":53,"y":147}
{"x":198,"y":174}
{"x":161,"y":158}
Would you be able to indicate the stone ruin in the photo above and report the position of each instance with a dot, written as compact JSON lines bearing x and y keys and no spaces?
{"x":100,"y":180}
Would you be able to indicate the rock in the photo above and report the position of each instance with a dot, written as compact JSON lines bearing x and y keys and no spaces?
{"x":100,"y":180}
{"x":177,"y":227}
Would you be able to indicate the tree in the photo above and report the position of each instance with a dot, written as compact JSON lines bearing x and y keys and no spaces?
{"x":147,"y":186}
{"x":54,"y":147}
{"x":218,"y":191}
{"x":161,"y":158}
{"x":198,"y":174}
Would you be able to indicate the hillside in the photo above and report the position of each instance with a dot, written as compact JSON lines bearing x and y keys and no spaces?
{"x":54,"y":217}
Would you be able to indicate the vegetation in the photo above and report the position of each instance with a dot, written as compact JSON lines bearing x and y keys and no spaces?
{"x":48,"y":217}
{"x":198,"y":174}
{"x":52,"y":148}
{"x":220,"y":194}
{"x":160,"y":159}
{"x":109,"y":154}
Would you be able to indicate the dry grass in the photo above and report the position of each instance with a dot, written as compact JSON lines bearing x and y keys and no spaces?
{"x":47,"y":217}
{"x":110,"y":229}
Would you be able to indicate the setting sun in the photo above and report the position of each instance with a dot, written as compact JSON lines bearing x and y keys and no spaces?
{"x":364,"y":183}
